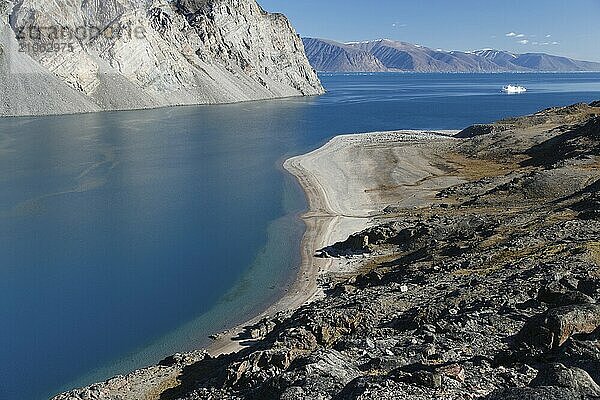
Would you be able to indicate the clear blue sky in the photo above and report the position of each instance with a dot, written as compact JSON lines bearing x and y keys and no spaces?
{"x":563,"y":27}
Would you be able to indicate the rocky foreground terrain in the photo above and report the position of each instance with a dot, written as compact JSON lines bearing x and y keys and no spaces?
{"x":67,"y":56}
{"x":489,"y":291}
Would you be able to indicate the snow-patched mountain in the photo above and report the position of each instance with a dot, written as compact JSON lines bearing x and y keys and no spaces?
{"x":536,"y":61}
{"x":390,"y":55}
{"x":62,"y":56}
{"x":403,"y":56}
{"x":501,"y":58}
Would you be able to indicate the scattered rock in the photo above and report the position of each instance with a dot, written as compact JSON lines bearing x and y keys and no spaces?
{"x":476,"y":130}
{"x":564,"y":298}
{"x":261,"y":329}
{"x":428,"y":379}
{"x":454,"y":371}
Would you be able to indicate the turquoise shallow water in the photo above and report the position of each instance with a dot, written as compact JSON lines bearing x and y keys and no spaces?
{"x":128,"y":236}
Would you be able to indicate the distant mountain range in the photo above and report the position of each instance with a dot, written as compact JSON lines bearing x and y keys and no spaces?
{"x":389,"y":55}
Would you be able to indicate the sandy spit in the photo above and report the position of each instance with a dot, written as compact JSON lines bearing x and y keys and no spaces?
{"x":345,"y":190}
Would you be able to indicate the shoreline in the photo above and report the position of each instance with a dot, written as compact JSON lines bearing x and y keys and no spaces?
{"x":338,"y":206}
{"x":331,"y":217}
{"x":443,"y":234}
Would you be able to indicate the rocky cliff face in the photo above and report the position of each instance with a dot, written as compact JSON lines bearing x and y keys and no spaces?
{"x":126,"y":54}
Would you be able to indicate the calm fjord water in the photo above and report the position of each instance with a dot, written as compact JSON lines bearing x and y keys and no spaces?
{"x":128,"y":236}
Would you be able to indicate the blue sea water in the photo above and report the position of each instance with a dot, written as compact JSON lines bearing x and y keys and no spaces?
{"x":128,"y":236}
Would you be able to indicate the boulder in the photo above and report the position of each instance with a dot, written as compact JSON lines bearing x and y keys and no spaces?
{"x":573,"y":378}
{"x":553,"y":328}
{"x":539,"y":393}
{"x":476,"y":130}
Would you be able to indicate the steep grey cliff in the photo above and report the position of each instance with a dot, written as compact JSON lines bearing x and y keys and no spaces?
{"x":390,"y":55}
{"x":66,"y":56}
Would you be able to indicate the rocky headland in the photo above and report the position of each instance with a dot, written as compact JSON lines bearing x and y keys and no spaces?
{"x":62,"y":56}
{"x":475,"y":274}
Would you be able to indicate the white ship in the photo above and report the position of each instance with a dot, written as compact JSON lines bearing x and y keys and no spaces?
{"x":513,"y":89}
